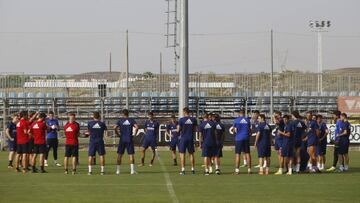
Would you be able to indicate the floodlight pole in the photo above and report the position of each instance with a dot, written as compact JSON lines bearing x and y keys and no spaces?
{"x":319,"y":27}
{"x":272,"y":73}
{"x":127,"y":69}
{"x":320,"y":63}
{"x":184,"y":57}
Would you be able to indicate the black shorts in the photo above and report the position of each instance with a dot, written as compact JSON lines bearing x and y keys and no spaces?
{"x":52,"y":143}
{"x":71,"y":150}
{"x":31,"y":146}
{"x":39,"y":149}
{"x":22,"y":148}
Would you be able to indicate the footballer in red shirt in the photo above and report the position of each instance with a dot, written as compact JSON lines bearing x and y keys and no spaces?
{"x":22,"y":142}
{"x":38,"y":133}
{"x":33,"y":117}
{"x":72,"y":131}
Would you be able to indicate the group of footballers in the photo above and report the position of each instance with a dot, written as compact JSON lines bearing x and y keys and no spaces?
{"x":300,"y":143}
{"x":31,"y":136}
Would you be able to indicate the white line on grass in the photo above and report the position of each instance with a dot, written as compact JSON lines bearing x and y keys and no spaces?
{"x":169,"y":184}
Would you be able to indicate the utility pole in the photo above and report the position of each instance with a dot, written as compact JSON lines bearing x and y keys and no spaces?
{"x":110,"y":63}
{"x":184,"y":57}
{"x":127,"y":69}
{"x":272,"y":73}
{"x":161,"y":72}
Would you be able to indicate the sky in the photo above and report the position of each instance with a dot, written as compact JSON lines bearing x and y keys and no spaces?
{"x":227,"y":36}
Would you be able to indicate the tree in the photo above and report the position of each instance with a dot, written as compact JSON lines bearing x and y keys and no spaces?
{"x":148,"y":75}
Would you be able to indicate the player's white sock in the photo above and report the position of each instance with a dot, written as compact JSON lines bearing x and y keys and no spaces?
{"x":346,"y":167}
{"x":264,"y":165}
{"x":310,"y":167}
{"x":132,"y":168}
{"x":249,"y":170}
{"x":182,"y":168}
{"x":117,"y":168}
{"x":192,"y":168}
{"x":90,"y":170}
{"x":290,"y":170}
{"x":217,"y":167}
{"x":210,"y":169}
{"x":297,"y":168}
{"x":206,"y":170}
{"x":102,"y":169}
{"x":318,"y":165}
{"x":245,"y":162}
{"x":237,"y":170}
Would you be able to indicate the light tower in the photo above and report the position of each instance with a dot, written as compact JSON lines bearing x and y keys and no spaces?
{"x":319,"y":27}
{"x":184,"y":57}
{"x":172,"y":33}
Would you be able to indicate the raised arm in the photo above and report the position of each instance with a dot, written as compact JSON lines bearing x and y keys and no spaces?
{"x":34,"y":116}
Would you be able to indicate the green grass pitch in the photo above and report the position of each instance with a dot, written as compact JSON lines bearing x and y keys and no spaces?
{"x":152,"y":184}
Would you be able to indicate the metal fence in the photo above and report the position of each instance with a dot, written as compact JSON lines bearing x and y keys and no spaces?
{"x":213,"y":85}
{"x":110,"y":107}
{"x":223,"y":94}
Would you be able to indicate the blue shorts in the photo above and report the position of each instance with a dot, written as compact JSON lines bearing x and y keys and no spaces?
{"x":297,"y":142}
{"x":312,"y":141}
{"x":218,"y":151}
{"x":264,"y":151}
{"x":321,"y":149}
{"x":343,"y":147}
{"x":173,"y":143}
{"x":208,"y":151}
{"x":149,"y":143}
{"x":97,"y":147}
{"x":12,"y":146}
{"x":287,"y":151}
{"x":242,"y":146}
{"x":186,"y":144}
{"x":129,"y":146}
{"x":278,"y":144}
